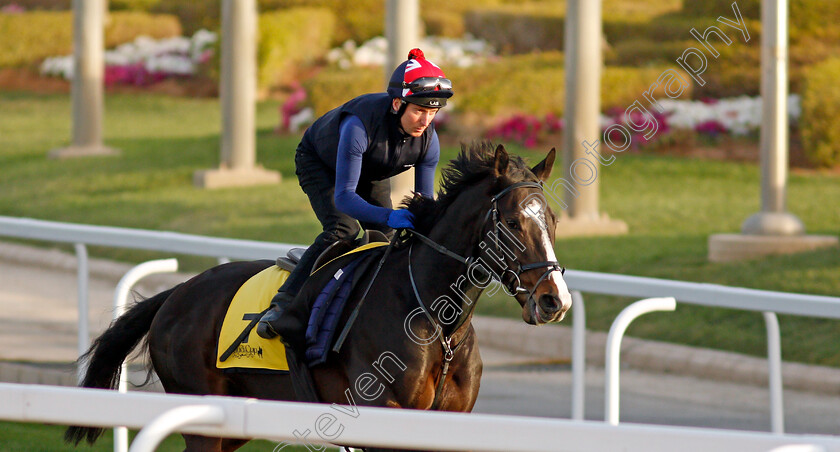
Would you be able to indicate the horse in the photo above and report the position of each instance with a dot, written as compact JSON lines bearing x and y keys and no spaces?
{"x":412,"y":344}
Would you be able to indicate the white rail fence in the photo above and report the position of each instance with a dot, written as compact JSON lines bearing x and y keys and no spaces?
{"x":378,"y":427}
{"x":170,"y":242}
{"x":713,"y":295}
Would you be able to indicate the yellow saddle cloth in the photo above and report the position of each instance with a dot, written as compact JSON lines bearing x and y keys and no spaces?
{"x":250,"y":300}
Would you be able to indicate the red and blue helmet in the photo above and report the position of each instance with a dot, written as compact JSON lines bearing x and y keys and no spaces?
{"x":419,"y":81}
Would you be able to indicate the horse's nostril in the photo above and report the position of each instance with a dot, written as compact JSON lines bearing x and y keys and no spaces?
{"x":550,"y":303}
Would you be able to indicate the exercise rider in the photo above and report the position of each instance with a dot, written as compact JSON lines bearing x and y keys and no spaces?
{"x":346,"y":157}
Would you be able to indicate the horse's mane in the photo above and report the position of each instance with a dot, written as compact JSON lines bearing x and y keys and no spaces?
{"x":473,"y":164}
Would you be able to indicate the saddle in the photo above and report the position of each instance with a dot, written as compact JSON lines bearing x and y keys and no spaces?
{"x":290,"y":261}
{"x":323,"y":318}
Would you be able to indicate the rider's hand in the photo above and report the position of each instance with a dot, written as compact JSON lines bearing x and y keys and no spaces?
{"x":401,"y":219}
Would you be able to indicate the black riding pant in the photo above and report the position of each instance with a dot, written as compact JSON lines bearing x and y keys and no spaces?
{"x":318,"y":182}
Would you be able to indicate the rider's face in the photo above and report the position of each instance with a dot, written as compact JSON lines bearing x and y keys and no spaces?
{"x":416,"y":119}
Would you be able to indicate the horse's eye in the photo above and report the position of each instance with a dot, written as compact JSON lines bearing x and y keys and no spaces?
{"x":513,"y":224}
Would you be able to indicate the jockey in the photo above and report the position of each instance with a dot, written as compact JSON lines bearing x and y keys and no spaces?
{"x":345,"y":159}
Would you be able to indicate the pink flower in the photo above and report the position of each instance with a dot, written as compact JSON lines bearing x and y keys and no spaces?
{"x":292,"y":106}
{"x":12,"y":8}
{"x":711,"y":127}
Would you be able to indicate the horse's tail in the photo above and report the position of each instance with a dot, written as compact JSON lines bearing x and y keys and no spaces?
{"x":106,"y":355}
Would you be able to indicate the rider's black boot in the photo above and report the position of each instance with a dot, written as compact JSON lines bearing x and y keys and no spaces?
{"x":268,"y":324}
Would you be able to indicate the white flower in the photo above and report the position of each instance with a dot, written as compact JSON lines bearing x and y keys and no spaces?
{"x":739,"y":115}
{"x":445,"y":51}
{"x":170,"y":64}
{"x":178,"y":55}
{"x":301,"y":118}
{"x":58,"y":66}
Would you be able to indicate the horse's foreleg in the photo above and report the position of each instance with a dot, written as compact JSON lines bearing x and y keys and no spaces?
{"x":231,"y":444}
{"x":197,"y":443}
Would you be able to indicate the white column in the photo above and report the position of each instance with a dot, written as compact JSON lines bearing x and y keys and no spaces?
{"x":583,"y":94}
{"x":87,"y":89}
{"x":773,"y":230}
{"x":239,"y":83}
{"x":402,"y":33}
{"x":773,"y":218}
{"x":238,"y":88}
{"x":582,"y":167}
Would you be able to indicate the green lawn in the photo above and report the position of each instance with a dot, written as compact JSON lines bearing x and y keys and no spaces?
{"x":671,"y":205}
{"x":20,"y":437}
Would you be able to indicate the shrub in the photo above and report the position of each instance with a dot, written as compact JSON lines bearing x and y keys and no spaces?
{"x":644,"y":52}
{"x":738,"y":70}
{"x":359,"y":20}
{"x":807,"y":17}
{"x":32,"y":36}
{"x":821,"y":114}
{"x":517,"y":29}
{"x":193,"y":14}
{"x":533,"y":26}
{"x":443,"y":23}
{"x":28,"y":37}
{"x":289,"y":39}
{"x":333,"y":87}
{"x":42,"y":5}
{"x":132,"y":5}
{"x":126,"y":26}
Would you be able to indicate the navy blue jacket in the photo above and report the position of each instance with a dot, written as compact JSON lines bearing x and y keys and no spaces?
{"x":365,"y":129}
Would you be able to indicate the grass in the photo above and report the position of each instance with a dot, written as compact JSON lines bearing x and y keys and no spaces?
{"x":20,"y":437}
{"x":670,"y":204}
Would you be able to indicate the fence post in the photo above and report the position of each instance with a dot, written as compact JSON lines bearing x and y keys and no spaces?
{"x":156,"y":431}
{"x":82,"y":281}
{"x":120,"y":300}
{"x":619,"y":326}
{"x":578,"y":356}
{"x":774,"y":372}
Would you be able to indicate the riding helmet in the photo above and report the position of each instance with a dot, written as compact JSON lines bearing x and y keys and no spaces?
{"x":419,"y":81}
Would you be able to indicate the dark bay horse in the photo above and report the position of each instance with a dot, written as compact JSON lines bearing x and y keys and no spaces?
{"x":412,"y":344}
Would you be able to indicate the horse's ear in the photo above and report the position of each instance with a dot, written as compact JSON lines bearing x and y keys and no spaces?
{"x":501,"y":161}
{"x":543,"y":169}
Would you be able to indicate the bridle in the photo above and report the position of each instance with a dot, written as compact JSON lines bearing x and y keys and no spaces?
{"x":515,"y":286}
{"x":512,"y":290}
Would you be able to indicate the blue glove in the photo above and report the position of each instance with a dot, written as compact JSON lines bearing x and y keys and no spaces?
{"x":401,"y":219}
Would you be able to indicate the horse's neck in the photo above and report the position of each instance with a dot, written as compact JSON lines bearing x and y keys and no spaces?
{"x":442,"y":281}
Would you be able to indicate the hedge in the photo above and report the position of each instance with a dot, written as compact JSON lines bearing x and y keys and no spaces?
{"x":64,"y":5}
{"x":517,"y":30}
{"x":193,"y":14}
{"x":126,"y":26}
{"x":29,"y":5}
{"x":816,"y":18}
{"x":289,"y":39}
{"x":738,"y":70}
{"x":644,"y":52}
{"x":821,"y":114}
{"x":132,"y":5}
{"x":524,"y":29}
{"x":29,"y":37}
{"x":533,"y":84}
{"x":361,"y":20}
